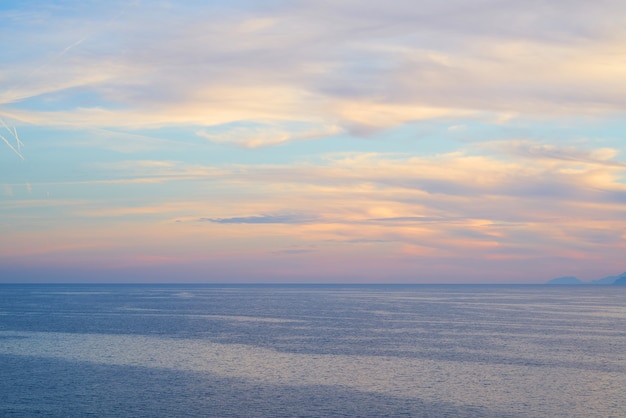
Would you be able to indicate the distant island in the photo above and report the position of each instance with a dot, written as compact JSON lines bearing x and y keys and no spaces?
{"x":571,"y":280}
{"x":621,"y":280}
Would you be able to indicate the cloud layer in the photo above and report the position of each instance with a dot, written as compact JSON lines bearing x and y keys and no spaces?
{"x":355,"y":66}
{"x":433,"y":141}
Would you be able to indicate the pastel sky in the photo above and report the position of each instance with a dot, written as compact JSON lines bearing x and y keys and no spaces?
{"x":423,"y":141}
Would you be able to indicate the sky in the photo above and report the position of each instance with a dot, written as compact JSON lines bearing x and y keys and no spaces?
{"x":465,"y":141}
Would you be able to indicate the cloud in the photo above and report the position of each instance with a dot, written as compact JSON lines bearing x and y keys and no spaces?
{"x":441,"y":188}
{"x":341,"y":67}
{"x":262,"y":135}
{"x":534,"y":150}
{"x":260,"y":219}
{"x":163,"y":83}
{"x":366,"y":241}
{"x":379,"y":207}
{"x":418,"y":219}
{"x":293,"y":252}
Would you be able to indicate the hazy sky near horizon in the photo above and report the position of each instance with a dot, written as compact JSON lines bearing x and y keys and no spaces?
{"x":312,"y":141}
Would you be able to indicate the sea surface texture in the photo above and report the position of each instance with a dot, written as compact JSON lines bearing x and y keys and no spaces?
{"x":312,"y":351}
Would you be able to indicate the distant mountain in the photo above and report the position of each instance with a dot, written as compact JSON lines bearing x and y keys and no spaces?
{"x":605,"y":280}
{"x":566,"y":280}
{"x":621,"y":280}
{"x":609,"y":280}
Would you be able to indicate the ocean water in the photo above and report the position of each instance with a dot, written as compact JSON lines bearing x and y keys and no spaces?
{"x":312,"y":351}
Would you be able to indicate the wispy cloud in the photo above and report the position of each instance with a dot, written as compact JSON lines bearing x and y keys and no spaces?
{"x":293,"y":251}
{"x":260,"y":219}
{"x":267,"y":135}
{"x":11,"y":147}
{"x":12,"y":131}
{"x":368,"y":67}
{"x":534,"y":150}
{"x":389,"y":137}
{"x":417,"y":219}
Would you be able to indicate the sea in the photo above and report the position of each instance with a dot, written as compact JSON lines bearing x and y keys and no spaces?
{"x":114,"y":350}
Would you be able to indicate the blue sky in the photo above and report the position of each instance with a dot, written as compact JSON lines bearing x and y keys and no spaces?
{"x":463,"y":141}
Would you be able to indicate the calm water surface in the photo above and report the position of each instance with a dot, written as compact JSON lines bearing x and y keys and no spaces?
{"x":307,"y":351}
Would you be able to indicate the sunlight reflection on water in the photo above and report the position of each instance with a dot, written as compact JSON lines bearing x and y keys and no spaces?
{"x":502,"y":386}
